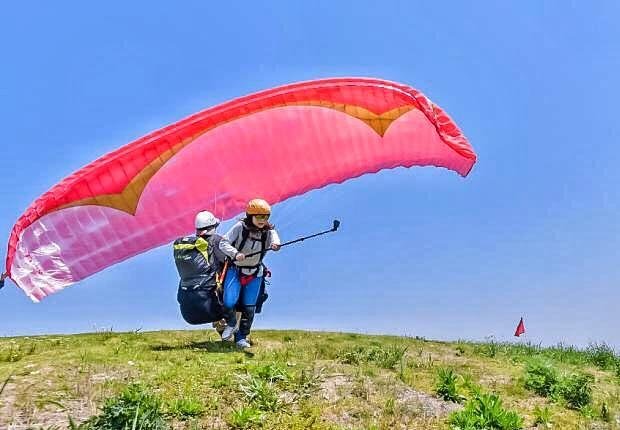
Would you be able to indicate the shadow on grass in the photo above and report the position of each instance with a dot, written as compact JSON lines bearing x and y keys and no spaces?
{"x":5,"y":383}
{"x":211,"y":346}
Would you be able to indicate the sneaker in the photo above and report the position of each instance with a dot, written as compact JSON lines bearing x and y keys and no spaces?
{"x":243,"y":343}
{"x":228,"y":332}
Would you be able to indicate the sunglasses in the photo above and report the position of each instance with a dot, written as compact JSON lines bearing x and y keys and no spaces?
{"x":261,"y":217}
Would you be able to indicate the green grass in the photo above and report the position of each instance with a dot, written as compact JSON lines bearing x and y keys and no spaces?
{"x":298,"y":380}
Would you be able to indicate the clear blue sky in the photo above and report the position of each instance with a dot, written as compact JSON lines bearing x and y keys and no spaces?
{"x":533,"y":231}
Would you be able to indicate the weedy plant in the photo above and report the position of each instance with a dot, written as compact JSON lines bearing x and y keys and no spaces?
{"x":16,"y":352}
{"x":485,"y":411}
{"x":271,"y":373}
{"x":186,"y":408}
{"x":574,"y":390}
{"x":601,"y":355}
{"x":224,"y":380}
{"x":260,"y":393}
{"x":385,"y":357}
{"x":136,"y":407}
{"x":305,"y":383}
{"x":490,"y":348}
{"x":245,"y":418}
{"x":542,"y":417}
{"x":470,"y":385}
{"x":540,"y":377}
{"x":587,"y":411}
{"x":446,"y":385}
{"x":389,"y":408}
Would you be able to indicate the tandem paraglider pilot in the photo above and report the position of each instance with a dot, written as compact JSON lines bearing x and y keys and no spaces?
{"x":224,"y":276}
{"x":199,"y":261}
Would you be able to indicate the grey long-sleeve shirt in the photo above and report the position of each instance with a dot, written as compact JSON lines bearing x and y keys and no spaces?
{"x":232,"y":239}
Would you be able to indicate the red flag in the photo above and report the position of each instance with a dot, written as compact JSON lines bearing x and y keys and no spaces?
{"x":520,"y":328}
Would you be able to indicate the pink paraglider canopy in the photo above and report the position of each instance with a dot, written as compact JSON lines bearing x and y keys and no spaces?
{"x":275,"y":144}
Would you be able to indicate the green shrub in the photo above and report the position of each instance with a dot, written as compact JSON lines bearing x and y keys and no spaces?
{"x":540,"y":378}
{"x":575,"y":390}
{"x":134,"y":408}
{"x":445,"y":385}
{"x":485,"y":411}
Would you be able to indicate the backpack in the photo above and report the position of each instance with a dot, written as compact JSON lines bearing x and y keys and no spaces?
{"x":198,"y":262}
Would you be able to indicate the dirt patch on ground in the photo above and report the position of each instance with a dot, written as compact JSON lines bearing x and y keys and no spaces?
{"x":267,"y":345}
{"x":19,"y":414}
{"x":335,"y":387}
{"x":349,"y":399}
{"x":423,"y":404}
{"x":495,"y":380}
{"x":33,"y":400}
{"x":49,"y":415}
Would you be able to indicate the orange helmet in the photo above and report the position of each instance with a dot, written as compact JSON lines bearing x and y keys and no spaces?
{"x":258,"y":207}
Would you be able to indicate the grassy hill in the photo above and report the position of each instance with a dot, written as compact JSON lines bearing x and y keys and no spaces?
{"x":301,"y":380}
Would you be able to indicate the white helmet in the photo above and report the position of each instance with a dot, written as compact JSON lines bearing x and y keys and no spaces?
{"x":205,"y":219}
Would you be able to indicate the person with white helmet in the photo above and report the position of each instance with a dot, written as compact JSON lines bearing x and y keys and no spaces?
{"x":199,"y":260}
{"x":244,"y":281}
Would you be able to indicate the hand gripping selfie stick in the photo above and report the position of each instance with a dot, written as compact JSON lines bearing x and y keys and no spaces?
{"x":334,"y":228}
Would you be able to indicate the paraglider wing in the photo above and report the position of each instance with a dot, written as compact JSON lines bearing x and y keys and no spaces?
{"x":275,"y":144}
